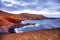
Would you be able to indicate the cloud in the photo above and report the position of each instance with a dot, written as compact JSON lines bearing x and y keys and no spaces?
{"x":31,"y":6}
{"x":29,"y":11}
{"x":11,"y":1}
{"x":57,"y":1}
{"x":13,"y":4}
{"x":52,"y":5}
{"x":23,"y":3}
{"x":43,"y":12}
{"x":52,"y":15}
{"x":49,"y":5}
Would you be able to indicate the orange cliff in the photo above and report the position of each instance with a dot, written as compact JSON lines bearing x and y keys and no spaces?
{"x":8,"y":19}
{"x":19,"y":17}
{"x":4,"y":23}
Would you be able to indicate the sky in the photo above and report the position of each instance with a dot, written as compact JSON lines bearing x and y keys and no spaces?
{"x":31,"y":6}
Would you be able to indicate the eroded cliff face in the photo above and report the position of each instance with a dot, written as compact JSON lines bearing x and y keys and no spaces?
{"x":33,"y":16}
{"x":20,"y":17}
{"x":53,"y":34}
{"x":4,"y":23}
{"x":9,"y":19}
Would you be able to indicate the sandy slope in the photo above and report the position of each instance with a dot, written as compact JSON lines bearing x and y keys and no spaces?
{"x":53,"y":34}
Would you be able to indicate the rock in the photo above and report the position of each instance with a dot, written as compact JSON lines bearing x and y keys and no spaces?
{"x":4,"y":23}
{"x":19,"y":17}
{"x":52,"y":34}
{"x":33,"y":16}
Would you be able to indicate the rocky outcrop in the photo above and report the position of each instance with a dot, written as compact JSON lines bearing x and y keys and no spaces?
{"x":53,"y":34}
{"x":4,"y":23}
{"x":20,"y":17}
{"x":33,"y":16}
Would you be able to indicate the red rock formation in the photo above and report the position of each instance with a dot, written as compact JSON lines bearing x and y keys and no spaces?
{"x":4,"y":23}
{"x":22,"y":16}
{"x":33,"y":16}
{"x":53,"y":34}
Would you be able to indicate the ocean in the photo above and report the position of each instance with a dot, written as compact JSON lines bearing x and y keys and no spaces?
{"x":40,"y":25}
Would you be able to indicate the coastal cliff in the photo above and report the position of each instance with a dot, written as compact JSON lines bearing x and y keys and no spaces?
{"x":7,"y":19}
{"x":21,"y":16}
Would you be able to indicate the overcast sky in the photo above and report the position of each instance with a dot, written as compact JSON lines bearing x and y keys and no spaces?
{"x":31,"y":6}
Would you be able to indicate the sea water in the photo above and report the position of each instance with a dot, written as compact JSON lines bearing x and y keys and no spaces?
{"x":40,"y":25}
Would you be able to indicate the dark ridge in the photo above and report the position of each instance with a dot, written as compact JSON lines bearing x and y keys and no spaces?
{"x":53,"y":18}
